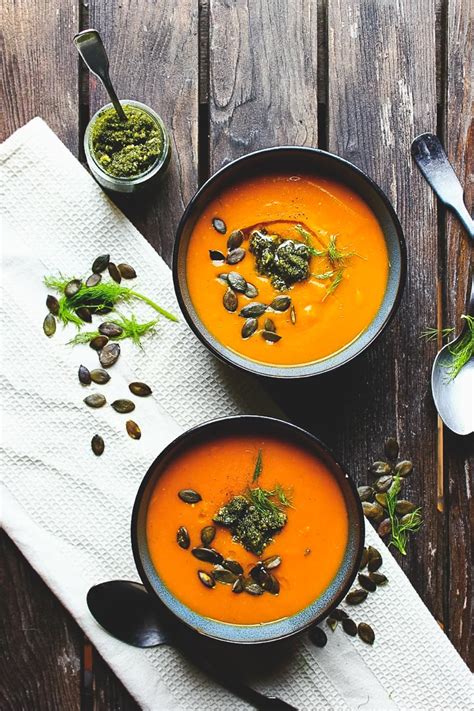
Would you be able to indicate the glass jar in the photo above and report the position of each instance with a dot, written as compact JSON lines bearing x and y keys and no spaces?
{"x":129,"y":184}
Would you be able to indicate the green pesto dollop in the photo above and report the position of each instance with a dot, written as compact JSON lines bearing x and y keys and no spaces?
{"x":285,"y":261}
{"x":126,"y":149}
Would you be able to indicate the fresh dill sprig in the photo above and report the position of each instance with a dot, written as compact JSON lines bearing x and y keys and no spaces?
{"x":309,"y":242}
{"x":334,"y":254}
{"x":324,"y":275}
{"x":269,"y":499}
{"x":400,"y":531}
{"x":431,"y":334}
{"x":130,"y":329}
{"x":258,"y":467}
{"x":284,"y":496}
{"x":463,"y":350}
{"x":334,"y":284}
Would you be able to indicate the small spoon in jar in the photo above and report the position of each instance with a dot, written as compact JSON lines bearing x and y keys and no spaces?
{"x":91,"y":48}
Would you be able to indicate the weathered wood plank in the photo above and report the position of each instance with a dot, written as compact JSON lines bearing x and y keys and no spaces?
{"x":459,"y":142}
{"x":153,"y":52}
{"x":263,"y":76}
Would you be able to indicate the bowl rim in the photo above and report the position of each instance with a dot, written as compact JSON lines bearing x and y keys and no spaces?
{"x":299,"y":370}
{"x":359,"y":527}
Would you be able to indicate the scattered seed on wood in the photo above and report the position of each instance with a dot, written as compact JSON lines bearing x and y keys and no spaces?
{"x":114,"y":272}
{"x":235,"y":240}
{"x":189,"y":496}
{"x":109,"y":354}
{"x":99,"y":376}
{"x":381,"y":499}
{"x":52,"y":304}
{"x":216,"y":256}
{"x":95,"y":400}
{"x":271,"y":336}
{"x":84,"y":314}
{"x":378,"y":578}
{"x":100,"y":263}
{"x":384,"y":528}
{"x":249,"y":327}
{"x":206,"y":579}
{"x":235,"y":256}
{"x":404,"y":507}
{"x":219,"y":225}
{"x":84,"y":375}
{"x":123,"y":406}
{"x":93,"y":280}
{"x":133,"y":429}
{"x":72,"y":287}
{"x":374,"y":511}
{"x":355,"y":597}
{"x":49,"y":325}
{"x":383,"y":483}
{"x":349,"y":626}
{"x":98,"y":342}
{"x":391,"y":448}
{"x":230,"y":300}
{"x":140,"y":389}
{"x":237,"y":282}
{"x":110,"y":329}
{"x":374,"y":559}
{"x":366,"y":633}
{"x":365,"y":493}
{"x":379,"y":468}
{"x":126,"y":271}
{"x":182,"y":537}
{"x":404,"y":468}
{"x":366,"y":582}
{"x":97,"y":445}
{"x":318,"y":636}
{"x":208,"y":533}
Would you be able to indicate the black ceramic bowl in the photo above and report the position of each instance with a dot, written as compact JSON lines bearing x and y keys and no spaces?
{"x":299,"y":160}
{"x":271,"y":631}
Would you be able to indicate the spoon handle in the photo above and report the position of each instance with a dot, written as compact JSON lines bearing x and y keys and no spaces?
{"x":90,"y":46}
{"x":434,"y":164}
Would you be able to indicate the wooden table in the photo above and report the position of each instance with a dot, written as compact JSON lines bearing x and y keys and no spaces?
{"x":360,"y":78}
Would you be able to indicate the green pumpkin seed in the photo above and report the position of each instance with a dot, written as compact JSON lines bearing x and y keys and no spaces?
{"x":208,"y":534}
{"x":366,"y":633}
{"x":383,"y":483}
{"x":365,"y":493}
{"x":238,"y":587}
{"x":100,"y":263}
{"x":99,"y":376}
{"x":249,"y":327}
{"x":123,"y":406}
{"x":206,"y":579}
{"x":363,"y":560}
{"x":378,"y":578}
{"x":391,"y":448}
{"x":381,"y":499}
{"x":133,"y":430}
{"x":216,"y":256}
{"x":384,"y":527}
{"x":233,"y":566}
{"x":349,"y":627}
{"x":97,"y":445}
{"x":405,"y":507}
{"x":49,"y":325}
{"x":84,"y":314}
{"x":140,"y":389}
{"x":269,"y":325}
{"x":182,"y":537}
{"x":339,"y":614}
{"x":72,"y":287}
{"x":270,"y":336}
{"x":114,"y":272}
{"x":404,"y":468}
{"x":235,"y":256}
{"x":366,"y":582}
{"x":110,"y":329}
{"x":237,"y":282}
{"x":374,"y":511}
{"x":98,"y":342}
{"x":93,"y":280}
{"x":374,"y":559}
{"x":219,"y":225}
{"x":355,"y":597}
{"x":411,"y":518}
{"x":272,"y":562}
{"x":318,"y":636}
{"x":235,"y":240}
{"x":189,"y":496}
{"x":251,"y":291}
{"x":380,"y":468}
{"x":272,"y":586}
{"x":126,"y":271}
{"x":109,"y":354}
{"x":221,"y":575}
{"x":84,"y":375}
{"x":95,"y":400}
{"x":52,"y":304}
{"x":223,"y":277}
{"x":281,"y":303}
{"x":208,"y":555}
{"x":230,"y":300}
{"x":332,"y":623}
{"x":293,"y":315}
{"x":251,"y":587}
{"x":255,"y":308}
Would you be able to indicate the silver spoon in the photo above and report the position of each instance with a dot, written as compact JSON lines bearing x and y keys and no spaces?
{"x":90,"y":47}
{"x":454,"y":398}
{"x":127,"y":612}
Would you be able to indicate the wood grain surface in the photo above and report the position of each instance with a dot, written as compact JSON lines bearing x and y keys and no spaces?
{"x":359,"y":77}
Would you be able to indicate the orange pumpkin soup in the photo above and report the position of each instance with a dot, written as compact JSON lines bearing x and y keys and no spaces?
{"x":332,"y":298}
{"x":311,"y":543}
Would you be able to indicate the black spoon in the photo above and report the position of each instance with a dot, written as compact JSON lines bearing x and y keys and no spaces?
{"x":127,"y":612}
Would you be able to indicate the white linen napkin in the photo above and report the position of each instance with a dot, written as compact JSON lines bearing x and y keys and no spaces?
{"x":69,"y":511}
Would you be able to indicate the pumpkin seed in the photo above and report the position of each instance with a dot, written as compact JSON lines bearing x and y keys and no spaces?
{"x":100,"y":263}
{"x":84,"y":375}
{"x":93,"y":280}
{"x":270,"y":336}
{"x":272,"y":586}
{"x":208,"y":555}
{"x":293,"y":315}
{"x":272,"y":562}
{"x":378,"y":578}
{"x":140,"y":389}
{"x":339,"y":614}
{"x":269,"y":325}
{"x":237,"y":282}
{"x":363,"y":560}
{"x":126,"y":271}
{"x":233,"y":566}
{"x":349,"y":626}
{"x":280,"y":303}
{"x":97,"y":445}
{"x":366,"y":633}
{"x":84,"y":314}
{"x":383,"y":483}
{"x":251,"y":291}
{"x":221,"y":575}
{"x":251,"y":587}
{"x":317,"y":636}
{"x":374,"y":511}
{"x":235,"y":240}
{"x":332,"y":623}
{"x":206,"y":579}
{"x":366,"y":582}
{"x":182,"y":537}
{"x":355,"y":597}
{"x":72,"y":287}
{"x":238,"y":587}
{"x":381,"y":499}
{"x":133,"y":429}
{"x":404,"y":507}
{"x":52,"y":304}
{"x":189,"y":496}
{"x":109,"y":354}
{"x":99,"y":376}
{"x":219,"y":225}
{"x":49,"y":325}
{"x":391,"y":448}
{"x":374,"y":559}
{"x":255,"y":308}
{"x":380,"y":468}
{"x":230,"y":300}
{"x":249,"y":327}
{"x":110,"y":329}
{"x":223,"y":277}
{"x":235,"y":256}
{"x":98,"y":342}
{"x":404,"y":468}
{"x":410,"y":518}
{"x":365,"y":493}
{"x":384,"y":527}
{"x":208,"y":534}
{"x":95,"y":400}
{"x":114,"y":272}
{"x":123,"y":406}
{"x":258,"y":573}
{"x":216,"y":256}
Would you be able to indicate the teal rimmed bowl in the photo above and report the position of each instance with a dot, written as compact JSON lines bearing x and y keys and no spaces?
{"x":268,"y":631}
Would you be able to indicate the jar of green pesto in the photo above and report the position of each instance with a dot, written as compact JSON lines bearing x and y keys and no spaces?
{"x":126,"y":156}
